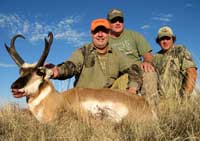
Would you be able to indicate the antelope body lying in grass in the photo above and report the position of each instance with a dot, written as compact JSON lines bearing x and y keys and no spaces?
{"x":46,"y":103}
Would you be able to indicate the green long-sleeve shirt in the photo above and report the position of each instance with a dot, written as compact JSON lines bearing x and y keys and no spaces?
{"x":98,"y":71}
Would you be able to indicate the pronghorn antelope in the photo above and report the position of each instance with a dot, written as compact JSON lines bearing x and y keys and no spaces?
{"x":45,"y":102}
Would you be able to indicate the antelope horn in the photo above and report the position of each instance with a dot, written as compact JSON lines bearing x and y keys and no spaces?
{"x":12,"y":51}
{"x":48,"y":42}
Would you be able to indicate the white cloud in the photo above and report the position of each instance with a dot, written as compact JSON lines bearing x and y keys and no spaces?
{"x":163,"y":17}
{"x":146,"y":26}
{"x":37,"y":30}
{"x":7,"y":65}
{"x":26,"y":27}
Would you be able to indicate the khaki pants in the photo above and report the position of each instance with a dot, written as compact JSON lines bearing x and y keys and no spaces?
{"x":121,"y":83}
{"x":149,"y":86}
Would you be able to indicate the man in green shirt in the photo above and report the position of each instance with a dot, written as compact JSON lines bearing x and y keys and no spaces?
{"x":176,"y":68}
{"x":97,"y":65}
{"x":133,"y":45}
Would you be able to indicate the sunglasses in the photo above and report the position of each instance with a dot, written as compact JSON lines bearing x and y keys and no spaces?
{"x":119,"y":19}
{"x":165,"y":38}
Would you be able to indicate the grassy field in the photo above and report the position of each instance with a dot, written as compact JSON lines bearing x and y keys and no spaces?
{"x":177,"y":121}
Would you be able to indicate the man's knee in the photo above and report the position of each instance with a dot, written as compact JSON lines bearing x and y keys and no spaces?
{"x":150,"y":86}
{"x":121,"y":83}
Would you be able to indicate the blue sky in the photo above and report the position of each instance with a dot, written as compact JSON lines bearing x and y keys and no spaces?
{"x":70,"y":23}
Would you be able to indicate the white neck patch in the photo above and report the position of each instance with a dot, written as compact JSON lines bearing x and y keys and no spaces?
{"x":33,"y":87}
{"x":43,"y":94}
{"x":39,"y":114}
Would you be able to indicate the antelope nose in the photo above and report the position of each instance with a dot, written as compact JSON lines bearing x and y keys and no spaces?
{"x":15,"y":86}
{"x":20,"y":82}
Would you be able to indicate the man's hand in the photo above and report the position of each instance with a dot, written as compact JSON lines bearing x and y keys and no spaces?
{"x":49,"y":73}
{"x":147,"y":67}
{"x":132,"y":90}
{"x":51,"y":70}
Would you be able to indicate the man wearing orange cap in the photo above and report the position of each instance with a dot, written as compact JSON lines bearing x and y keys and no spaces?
{"x":176,"y":68}
{"x":97,"y":65}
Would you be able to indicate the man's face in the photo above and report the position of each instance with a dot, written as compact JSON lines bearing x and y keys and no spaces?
{"x":117,"y":24}
{"x":100,"y":37}
{"x":166,"y":43}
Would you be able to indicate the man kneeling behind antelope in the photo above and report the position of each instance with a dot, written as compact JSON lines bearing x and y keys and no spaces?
{"x":97,"y":69}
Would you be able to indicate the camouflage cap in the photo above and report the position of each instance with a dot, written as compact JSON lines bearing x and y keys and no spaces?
{"x":165,"y":31}
{"x":114,"y":13}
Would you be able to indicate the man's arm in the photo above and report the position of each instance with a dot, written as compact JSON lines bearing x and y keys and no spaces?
{"x":68,"y":68}
{"x":190,"y":79}
{"x":190,"y":71}
{"x":148,"y":57}
{"x":133,"y":70}
{"x":146,"y":65}
{"x":62,"y":71}
{"x":134,"y":78}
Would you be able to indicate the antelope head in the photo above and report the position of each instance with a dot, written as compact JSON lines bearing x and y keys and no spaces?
{"x":31,"y":75}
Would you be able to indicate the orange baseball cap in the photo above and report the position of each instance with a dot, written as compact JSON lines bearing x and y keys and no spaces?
{"x":99,"y":22}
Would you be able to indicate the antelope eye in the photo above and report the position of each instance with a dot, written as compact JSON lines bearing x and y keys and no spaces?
{"x":40,"y":72}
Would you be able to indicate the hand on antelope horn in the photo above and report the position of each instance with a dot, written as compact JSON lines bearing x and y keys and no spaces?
{"x":132,"y":90}
{"x":44,"y":72}
{"x":51,"y":71}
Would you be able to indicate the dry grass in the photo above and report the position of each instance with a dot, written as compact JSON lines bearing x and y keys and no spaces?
{"x":177,"y":121}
